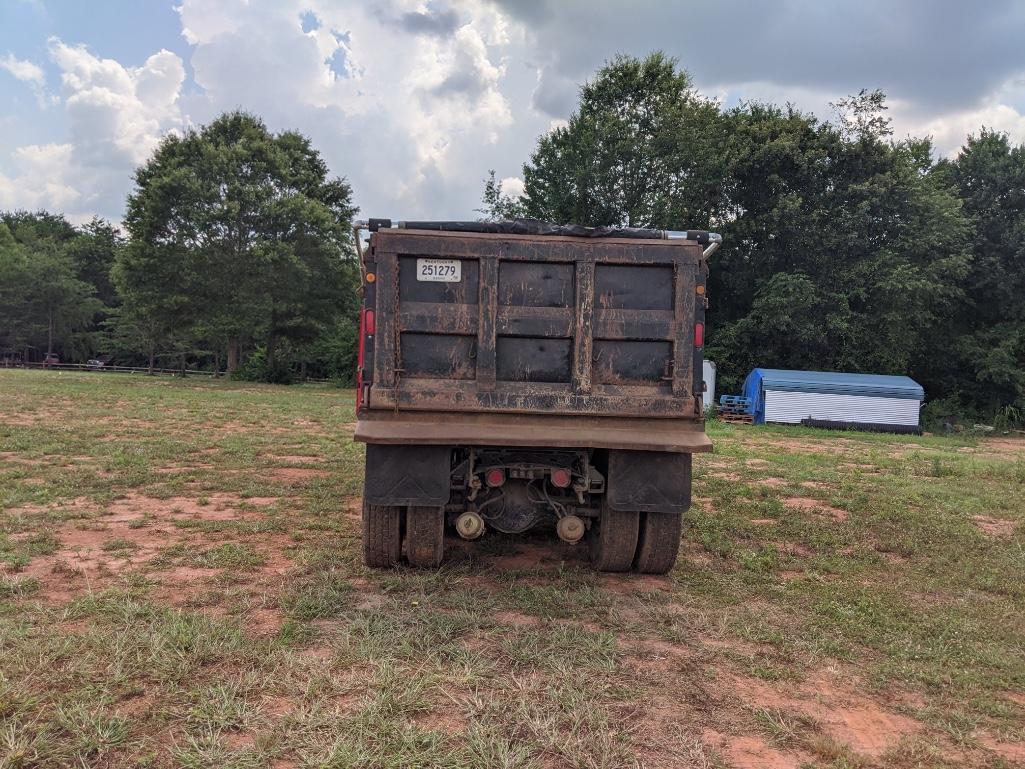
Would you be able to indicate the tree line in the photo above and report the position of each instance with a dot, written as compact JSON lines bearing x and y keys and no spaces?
{"x":236,"y":255}
{"x":845,"y":248}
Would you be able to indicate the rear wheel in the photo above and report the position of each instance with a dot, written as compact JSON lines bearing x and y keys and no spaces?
{"x":614,"y":543}
{"x":658,"y":542}
{"x":382,"y":535}
{"x":425,"y":536}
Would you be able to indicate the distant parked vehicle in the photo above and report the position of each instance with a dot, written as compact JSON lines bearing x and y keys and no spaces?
{"x":51,"y":359}
{"x":94,"y":364}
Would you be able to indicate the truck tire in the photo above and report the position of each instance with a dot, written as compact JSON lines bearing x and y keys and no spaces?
{"x":425,"y":536}
{"x":614,"y":543}
{"x":382,"y":535}
{"x":658,"y":542}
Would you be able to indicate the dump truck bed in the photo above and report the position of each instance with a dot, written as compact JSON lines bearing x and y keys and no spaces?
{"x":533,"y":340}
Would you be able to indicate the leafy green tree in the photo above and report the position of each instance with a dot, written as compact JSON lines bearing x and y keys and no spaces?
{"x":43,"y":302}
{"x":878,"y":241}
{"x":642,"y":150}
{"x":236,"y":233}
{"x":986,"y":360}
{"x":93,"y":250}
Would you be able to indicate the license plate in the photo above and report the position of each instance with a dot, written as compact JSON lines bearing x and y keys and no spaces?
{"x":440,"y":270}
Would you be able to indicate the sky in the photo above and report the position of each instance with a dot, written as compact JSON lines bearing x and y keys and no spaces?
{"x":413,"y":102}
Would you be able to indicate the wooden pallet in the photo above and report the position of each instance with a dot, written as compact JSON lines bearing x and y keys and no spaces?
{"x":737,"y":419}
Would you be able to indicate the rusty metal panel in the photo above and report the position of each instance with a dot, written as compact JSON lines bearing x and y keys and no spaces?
{"x":522,"y":284}
{"x":438,"y":356}
{"x":533,"y":359}
{"x":487,"y":335}
{"x":619,"y":361}
{"x":537,"y":430}
{"x":684,"y":282}
{"x":535,"y":324}
{"x":583,"y":338}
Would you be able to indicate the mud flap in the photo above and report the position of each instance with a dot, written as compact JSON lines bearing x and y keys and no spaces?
{"x":407,"y":475}
{"x":649,"y":481}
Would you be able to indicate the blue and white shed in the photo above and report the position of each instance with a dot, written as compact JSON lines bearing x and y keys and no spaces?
{"x":828,"y":396}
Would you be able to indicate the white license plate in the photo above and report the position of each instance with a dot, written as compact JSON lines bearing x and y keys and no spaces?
{"x":440,"y":270}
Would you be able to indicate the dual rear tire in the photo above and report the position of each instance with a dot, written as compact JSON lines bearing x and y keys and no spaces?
{"x":386,"y":528}
{"x":645,"y":542}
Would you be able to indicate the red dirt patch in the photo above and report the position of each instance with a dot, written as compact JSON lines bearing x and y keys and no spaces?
{"x":264,"y":621}
{"x":995,"y":527}
{"x":515,"y":618}
{"x":808,"y":503}
{"x":844,"y":715}
{"x":772,"y":483}
{"x":132,"y":532}
{"x":1003,"y":447}
{"x":755,"y":753}
{"x":448,"y":720}
{"x":1010,"y":751}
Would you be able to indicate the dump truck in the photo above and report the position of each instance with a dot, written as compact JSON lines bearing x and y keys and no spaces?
{"x":517,"y":375}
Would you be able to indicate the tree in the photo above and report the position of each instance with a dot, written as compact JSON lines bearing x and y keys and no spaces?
{"x":641,"y":150}
{"x":840,"y":231}
{"x":237,"y":233}
{"x":92,"y":250}
{"x":495,"y":204}
{"x":987,"y":358}
{"x":43,"y":302}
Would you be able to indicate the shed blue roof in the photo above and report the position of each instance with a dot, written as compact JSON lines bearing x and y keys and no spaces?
{"x":879,"y":385}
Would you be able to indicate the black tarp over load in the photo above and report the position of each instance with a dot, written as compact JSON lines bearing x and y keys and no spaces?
{"x":538,"y":227}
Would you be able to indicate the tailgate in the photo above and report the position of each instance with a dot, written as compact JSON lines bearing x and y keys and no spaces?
{"x":522,"y":324}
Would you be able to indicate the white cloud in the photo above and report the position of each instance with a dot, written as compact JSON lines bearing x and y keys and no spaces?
{"x":399,"y":96}
{"x":39,"y":180}
{"x":23,"y":70}
{"x":512,"y":186}
{"x":116,"y":116}
{"x":950,"y":130}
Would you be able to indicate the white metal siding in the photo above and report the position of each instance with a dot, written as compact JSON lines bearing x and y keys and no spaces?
{"x":792,"y":407}
{"x":708,"y":375}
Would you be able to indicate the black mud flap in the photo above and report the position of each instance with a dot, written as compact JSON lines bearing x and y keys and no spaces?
{"x":407,"y":475}
{"x":649,"y":481}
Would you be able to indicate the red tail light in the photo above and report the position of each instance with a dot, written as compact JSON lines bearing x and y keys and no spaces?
{"x":699,"y":334}
{"x":495,"y":477}
{"x":561,"y":477}
{"x":368,"y":323}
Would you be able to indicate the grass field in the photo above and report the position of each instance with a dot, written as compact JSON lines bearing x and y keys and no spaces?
{"x":181,"y":586}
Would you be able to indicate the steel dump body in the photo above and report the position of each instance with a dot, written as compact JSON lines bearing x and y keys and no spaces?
{"x":545,"y":341}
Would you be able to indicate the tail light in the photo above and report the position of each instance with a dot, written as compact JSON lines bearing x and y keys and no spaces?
{"x":494,"y":477}
{"x":561,"y":477}
{"x":699,"y":334}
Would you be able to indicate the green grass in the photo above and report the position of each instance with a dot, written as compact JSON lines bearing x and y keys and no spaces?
{"x":174,"y":594}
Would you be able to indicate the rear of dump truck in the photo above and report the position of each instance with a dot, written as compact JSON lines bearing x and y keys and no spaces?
{"x":516,"y":375}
